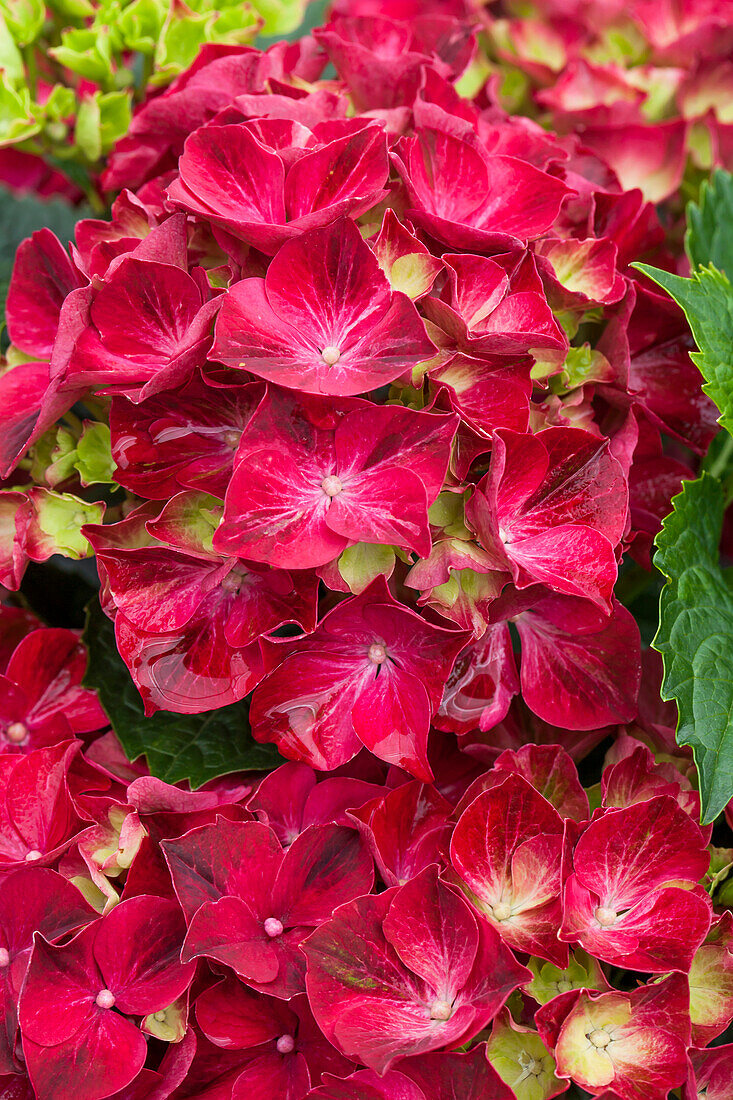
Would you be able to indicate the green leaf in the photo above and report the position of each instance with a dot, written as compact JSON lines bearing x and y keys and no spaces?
{"x":88,"y":52}
{"x":708,"y":239}
{"x":88,"y":129}
{"x":17,"y":121}
{"x":196,"y":747}
{"x":280,"y":16}
{"x":115,"y":117}
{"x":707,"y":300}
{"x":695,"y":636}
{"x":60,"y":104}
{"x":25,"y":19}
{"x":179,"y":42}
{"x":102,"y":119}
{"x":72,"y":10}
{"x":141,"y":23}
{"x":10,"y":60}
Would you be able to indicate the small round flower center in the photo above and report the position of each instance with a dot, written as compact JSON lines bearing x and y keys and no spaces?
{"x":273,"y":927}
{"x":16,"y":733}
{"x":159,"y":1016}
{"x":331,"y":355}
{"x":600,"y":1038}
{"x":232,"y":439}
{"x":4,"y":957}
{"x":332,"y":485}
{"x":501,"y":911}
{"x":441,"y":1010}
{"x":564,"y":986}
{"x":530,"y":1065}
{"x":605,"y":917}
{"x":33,"y":855}
{"x":504,"y":535}
{"x":105,"y":998}
{"x":285,"y":1044}
{"x":377,"y":653}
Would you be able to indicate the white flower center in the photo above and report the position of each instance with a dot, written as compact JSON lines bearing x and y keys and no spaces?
{"x":331,"y":355}
{"x":441,"y":1010}
{"x":285,"y":1044}
{"x":273,"y":927}
{"x":105,"y":998}
{"x":4,"y":957}
{"x":501,"y":911}
{"x":331,"y":485}
{"x":377,"y":653}
{"x":33,"y":855}
{"x":16,"y":732}
{"x":605,"y":917}
{"x":600,"y":1038}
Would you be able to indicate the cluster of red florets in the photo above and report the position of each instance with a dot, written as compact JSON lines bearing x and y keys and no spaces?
{"x":380,"y":382}
{"x":354,"y":936}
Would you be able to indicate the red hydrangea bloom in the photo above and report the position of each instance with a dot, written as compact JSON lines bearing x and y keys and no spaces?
{"x":447,"y":1075}
{"x":580,"y":668}
{"x":284,"y":1049}
{"x":408,"y":971}
{"x":551,"y":510}
{"x":31,"y":900}
{"x":484,"y":680}
{"x":468,"y":197}
{"x":269,"y":180}
{"x":486,"y":400}
{"x":636,"y":777}
{"x":631,"y":897}
{"x":371,"y":674}
{"x":406,"y":830}
{"x":323,"y":320}
{"x":149,"y":323}
{"x":249,"y":904}
{"x":15,"y":623}
{"x":389,"y":404}
{"x":365,"y":1084}
{"x":43,"y":276}
{"x":404,"y":258}
{"x":187,"y":619}
{"x":290,"y":799}
{"x":181,"y":440}
{"x":548,"y":768}
{"x":42,"y":701}
{"x":710,"y":1073}
{"x":381,"y":60}
{"x":38,"y":816}
{"x":16,"y":516}
{"x":507,"y":849}
{"x":218,"y":76}
{"x":484,"y":313}
{"x":311,"y":477}
{"x":633,"y":1042}
{"x":77,"y":999}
